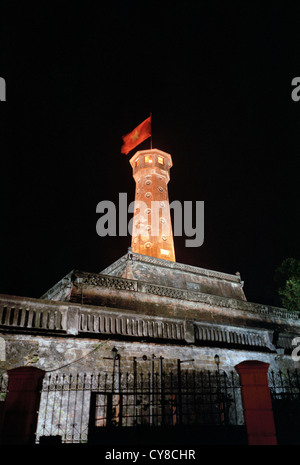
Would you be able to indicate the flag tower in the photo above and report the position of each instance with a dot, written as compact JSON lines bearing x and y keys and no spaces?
{"x":152,"y":229}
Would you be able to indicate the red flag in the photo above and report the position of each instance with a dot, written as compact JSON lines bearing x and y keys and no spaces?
{"x":137,"y":136}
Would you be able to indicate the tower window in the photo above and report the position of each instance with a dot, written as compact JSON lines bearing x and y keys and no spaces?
{"x":137,"y":162}
{"x":164,"y":252}
{"x":160,"y":160}
{"x":148,"y":159}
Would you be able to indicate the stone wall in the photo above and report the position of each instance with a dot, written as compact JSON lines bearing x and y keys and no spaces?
{"x":76,"y":366}
{"x":91,"y":355}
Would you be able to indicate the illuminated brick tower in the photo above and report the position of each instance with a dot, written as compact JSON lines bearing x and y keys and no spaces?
{"x":152,"y":229}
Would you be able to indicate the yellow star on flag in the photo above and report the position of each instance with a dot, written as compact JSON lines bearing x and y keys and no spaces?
{"x":135,"y":136}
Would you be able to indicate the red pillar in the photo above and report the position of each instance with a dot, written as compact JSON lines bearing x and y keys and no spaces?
{"x":21,"y":405}
{"x":257,"y":402}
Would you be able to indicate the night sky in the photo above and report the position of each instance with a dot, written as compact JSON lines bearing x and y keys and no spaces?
{"x":216,"y":77}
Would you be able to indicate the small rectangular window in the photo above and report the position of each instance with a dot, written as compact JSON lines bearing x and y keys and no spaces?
{"x":148,"y":159}
{"x":137,"y":163}
{"x":164,"y":252}
{"x":160,"y":160}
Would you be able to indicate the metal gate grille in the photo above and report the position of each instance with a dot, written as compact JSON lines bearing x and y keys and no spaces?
{"x":285,"y":394}
{"x":72,"y":406}
{"x":64,"y":407}
{"x":204,"y":398}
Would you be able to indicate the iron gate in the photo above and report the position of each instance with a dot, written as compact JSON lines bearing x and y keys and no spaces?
{"x":79,"y":407}
{"x":285,"y":394}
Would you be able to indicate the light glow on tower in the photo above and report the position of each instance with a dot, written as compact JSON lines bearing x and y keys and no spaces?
{"x":152,"y":229}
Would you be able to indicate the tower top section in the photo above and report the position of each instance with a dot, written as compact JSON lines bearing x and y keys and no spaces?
{"x":151,"y":160}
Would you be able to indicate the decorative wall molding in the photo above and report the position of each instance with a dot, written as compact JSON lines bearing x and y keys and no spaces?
{"x":35,"y":316}
{"x":233,"y":336}
{"x":31,"y":317}
{"x":171,"y":265}
{"x":112,"y":282}
{"x":92,"y":322}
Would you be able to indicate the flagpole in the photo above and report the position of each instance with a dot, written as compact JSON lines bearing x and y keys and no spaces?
{"x":151,"y":130}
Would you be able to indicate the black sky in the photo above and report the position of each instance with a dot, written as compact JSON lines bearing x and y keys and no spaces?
{"x":216,"y":77}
